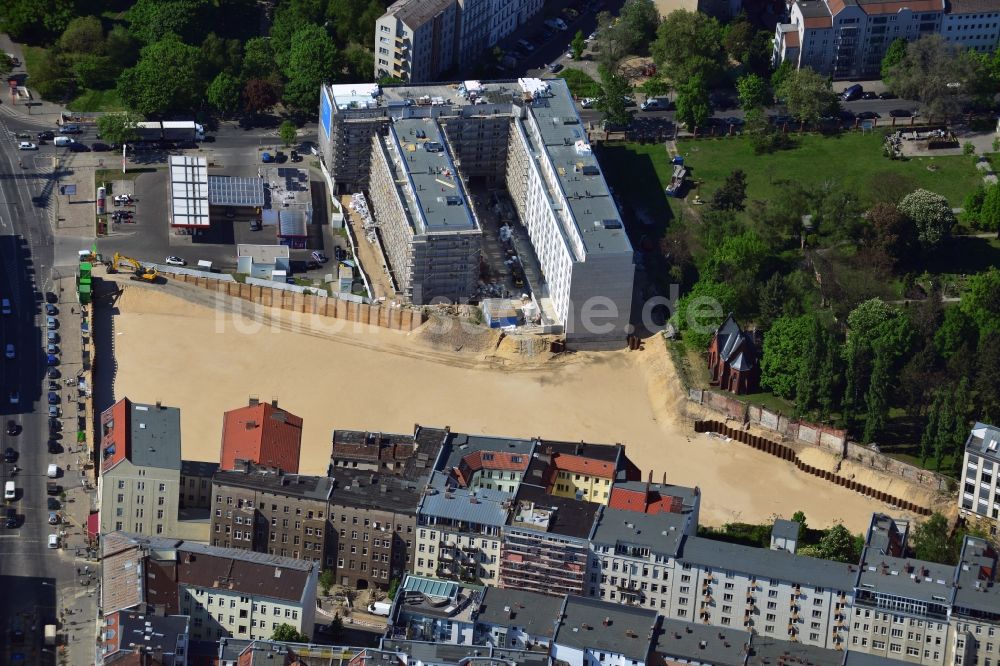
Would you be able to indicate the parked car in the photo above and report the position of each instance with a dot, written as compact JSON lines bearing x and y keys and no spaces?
{"x":52,"y":504}
{"x":54,"y":447}
{"x":50,"y":297}
{"x":51,"y":310}
{"x":656,"y":104}
{"x":54,"y":518}
{"x":526,"y":45}
{"x":46,"y":135}
{"x":53,"y":398}
{"x":587,"y":102}
{"x":9,"y":455}
{"x":99,"y":147}
{"x":555,"y":67}
{"x":13,"y":428}
{"x":295,"y":156}
{"x":868,"y":115}
{"x":852,"y":93}
{"x":51,"y":323}
{"x":175,"y":261}
{"x":54,"y":411}
{"x":14,"y":397}
{"x":887,"y":95}
{"x":266,"y":158}
{"x":53,"y":373}
{"x":51,"y":359}
{"x":27,"y":145}
{"x":70,"y":129}
{"x":9,"y":350}
{"x":900,"y":113}
{"x":54,"y":541}
{"x":5,"y":306}
{"x":11,"y":520}
{"x":869,"y":95}
{"x":280,"y":157}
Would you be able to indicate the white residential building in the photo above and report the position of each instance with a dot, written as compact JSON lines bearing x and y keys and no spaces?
{"x":979,"y":496}
{"x":972,"y":24}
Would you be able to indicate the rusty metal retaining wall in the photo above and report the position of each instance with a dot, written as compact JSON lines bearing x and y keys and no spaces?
{"x":787,"y":453}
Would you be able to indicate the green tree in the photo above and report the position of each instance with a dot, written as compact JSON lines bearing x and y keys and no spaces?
{"x":981,"y":300}
{"x":738,"y":256}
{"x":611,"y":102}
{"x":637,"y":22}
{"x":700,"y":311}
{"x":221,"y":55}
{"x":839,"y":545}
{"x":6,"y":64}
{"x":771,"y":298}
{"x":119,"y":128}
{"x":785,"y":352}
{"x":781,"y":73}
{"x":151,"y":20}
{"x":687,"y":44}
{"x":893,"y":56}
{"x":986,"y":386}
{"x":800,"y":518}
{"x":167,"y":79}
{"x":655,"y":86}
{"x":890,"y":234}
{"x":35,"y":20}
{"x":931,"y":214}
{"x":393,"y":588}
{"x":932,"y":541}
{"x":224,"y":94}
{"x":807,"y":94}
{"x":84,"y":34}
{"x":326,"y":580}
{"x":732,"y":195}
{"x":288,"y":132}
{"x":121,"y":47}
{"x":693,"y":102}
{"x":290,"y":17}
{"x":359,"y":62}
{"x":753,"y":91}
{"x":95,"y":71}
{"x":258,"y":59}
{"x":957,"y":329}
{"x":989,"y":211}
{"x":312,"y":61}
{"x":286,"y":633}
{"x":578,"y":45}
{"x":931,"y":71}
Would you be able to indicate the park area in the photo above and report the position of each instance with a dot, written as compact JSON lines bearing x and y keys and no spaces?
{"x":368,"y":378}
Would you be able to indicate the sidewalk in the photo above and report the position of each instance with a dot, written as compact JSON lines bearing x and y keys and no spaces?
{"x":37,"y":111}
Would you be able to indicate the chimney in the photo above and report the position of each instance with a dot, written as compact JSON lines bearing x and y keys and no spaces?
{"x":664,"y":478}
{"x":159,"y":404}
{"x":274,"y":402}
{"x":250,"y":425}
{"x":254,"y":401}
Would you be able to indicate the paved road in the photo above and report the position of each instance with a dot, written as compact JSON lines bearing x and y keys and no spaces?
{"x":36,"y":581}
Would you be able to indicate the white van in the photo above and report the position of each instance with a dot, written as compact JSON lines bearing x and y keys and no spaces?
{"x":53,"y":471}
{"x":9,"y":491}
{"x":53,"y":541}
{"x":62,"y":141}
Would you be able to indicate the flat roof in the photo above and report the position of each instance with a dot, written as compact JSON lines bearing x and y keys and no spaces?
{"x":535,"y":613}
{"x":263,"y":254}
{"x":353,"y":94}
{"x":766,"y":651}
{"x":415,"y":13}
{"x":579,"y":175}
{"x":155,"y":436}
{"x":436,"y":197}
{"x":198,"y":468}
{"x":235,"y":191}
{"x":661,"y":533}
{"x":481,"y":507}
{"x":766,"y":563}
{"x":535,"y":509}
{"x":700,"y":643}
{"x":188,"y":191}
{"x":431,"y":587}
{"x":276,"y":482}
{"x":928,"y":582}
{"x":785,"y":529}
{"x":977,"y":589}
{"x":606,"y":627}
{"x":379,"y":491}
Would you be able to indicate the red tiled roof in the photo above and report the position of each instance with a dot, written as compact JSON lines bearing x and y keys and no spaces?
{"x":497,"y":460}
{"x":818,"y":22}
{"x":114,"y":434}
{"x":915,"y":6}
{"x":644,"y":502}
{"x":263,"y":434}
{"x":579,"y":465}
{"x":791,"y":39}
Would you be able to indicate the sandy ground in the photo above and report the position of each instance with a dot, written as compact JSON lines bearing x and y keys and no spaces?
{"x":205,"y":362}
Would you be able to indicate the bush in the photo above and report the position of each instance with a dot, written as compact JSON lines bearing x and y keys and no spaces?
{"x":968,"y":148}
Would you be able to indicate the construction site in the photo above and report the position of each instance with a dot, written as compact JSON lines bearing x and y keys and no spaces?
{"x":472,"y":379}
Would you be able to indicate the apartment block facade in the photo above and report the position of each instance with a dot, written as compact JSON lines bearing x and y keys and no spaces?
{"x":140,"y":459}
{"x":376,"y":139}
{"x":979,"y":497}
{"x":972,"y":24}
{"x":847,"y":39}
{"x":266,"y":510}
{"x":419,"y":40}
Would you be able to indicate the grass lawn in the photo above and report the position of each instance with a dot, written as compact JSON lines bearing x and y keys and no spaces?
{"x":580,"y":83}
{"x":770,"y":402}
{"x":96,"y":100}
{"x":32,"y":59}
{"x":853,"y":159}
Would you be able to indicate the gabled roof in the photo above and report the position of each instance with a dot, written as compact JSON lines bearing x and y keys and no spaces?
{"x":735,"y":346}
{"x":263,"y":434}
{"x":601,"y":626}
{"x":652,"y":498}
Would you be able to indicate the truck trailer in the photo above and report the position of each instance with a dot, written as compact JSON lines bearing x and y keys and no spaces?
{"x":170,"y":130}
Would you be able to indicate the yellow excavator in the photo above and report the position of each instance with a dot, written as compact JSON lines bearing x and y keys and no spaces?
{"x":141,"y":273}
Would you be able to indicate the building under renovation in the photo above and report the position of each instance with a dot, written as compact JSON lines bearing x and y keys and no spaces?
{"x":414,"y":149}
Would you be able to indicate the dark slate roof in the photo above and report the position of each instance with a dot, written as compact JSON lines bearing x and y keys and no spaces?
{"x":276,"y":482}
{"x":736,"y":346}
{"x":785,"y":529}
{"x":533,"y":612}
{"x":607,"y":627}
{"x":701,"y":643}
{"x":978,"y":589}
{"x":155,"y":436}
{"x":369,"y":490}
{"x":662,"y":533}
{"x":478,"y":655}
{"x":569,"y":517}
{"x":766,"y":563}
{"x":199,"y":468}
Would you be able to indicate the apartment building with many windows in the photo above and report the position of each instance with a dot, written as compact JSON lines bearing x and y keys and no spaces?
{"x":459,"y":532}
{"x":267,"y":510}
{"x":140,"y":464}
{"x":979,"y":495}
{"x":975,"y":617}
{"x":419,"y":40}
{"x":525,"y":137}
{"x":847,"y":39}
{"x":546,"y":543}
{"x":972,"y":24}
